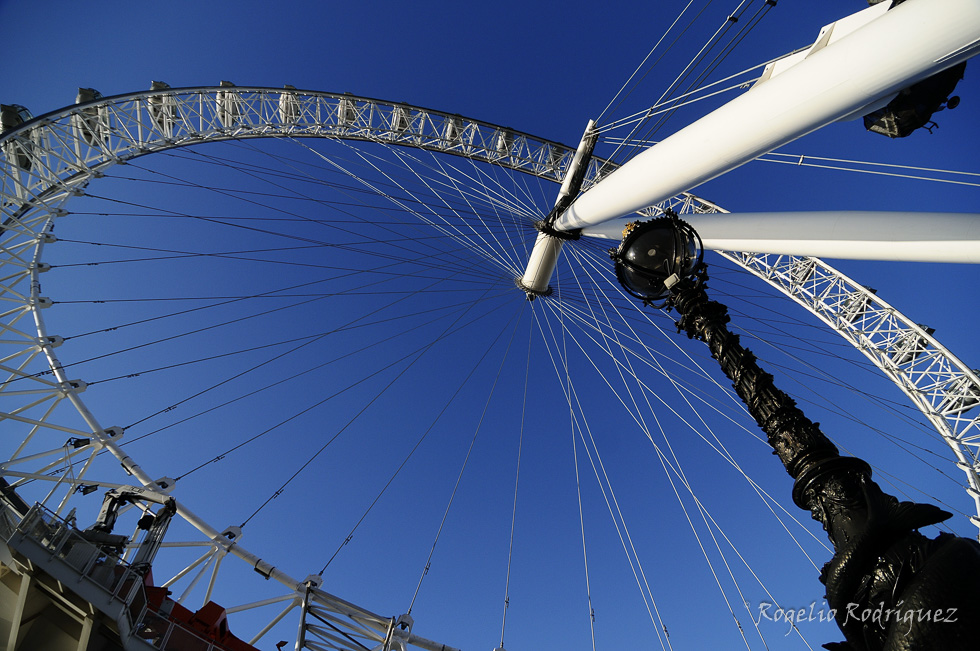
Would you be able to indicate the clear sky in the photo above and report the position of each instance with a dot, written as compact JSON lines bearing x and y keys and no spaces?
{"x":540,"y":67}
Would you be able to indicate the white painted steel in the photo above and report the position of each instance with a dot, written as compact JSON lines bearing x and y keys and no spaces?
{"x":63,"y":162}
{"x":544,"y":255}
{"x":541,"y":264}
{"x":906,"y":44}
{"x":855,"y":235}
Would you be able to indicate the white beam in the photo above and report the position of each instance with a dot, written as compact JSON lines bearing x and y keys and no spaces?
{"x":894,"y":50}
{"x":857,"y":235}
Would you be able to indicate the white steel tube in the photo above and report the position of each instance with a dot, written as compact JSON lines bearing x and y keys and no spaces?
{"x":541,"y":265}
{"x":856,"y":235}
{"x":898,"y":48}
{"x":544,"y":255}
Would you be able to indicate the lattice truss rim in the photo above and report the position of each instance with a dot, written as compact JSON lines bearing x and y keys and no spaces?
{"x":52,"y":158}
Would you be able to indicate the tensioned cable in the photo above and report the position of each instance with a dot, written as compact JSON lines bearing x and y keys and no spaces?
{"x":275,"y":208}
{"x":417,"y":355}
{"x":727,"y":49}
{"x":714,"y":41}
{"x":916,"y":177}
{"x":567,"y":380}
{"x":275,"y":292}
{"x":682,"y":393}
{"x":484,"y":247}
{"x":770,"y":499}
{"x":555,"y":365}
{"x":318,"y":179}
{"x":517,"y":482}
{"x":345,"y":355}
{"x":804,"y":160}
{"x":898,"y":488}
{"x":423,"y":261}
{"x":469,"y":451}
{"x":618,"y":518}
{"x":373,"y":187}
{"x":663,"y":107}
{"x":485,"y":255}
{"x":685,"y":72}
{"x":418,"y":443}
{"x":645,"y":59}
{"x":233,"y":168}
{"x":717,"y":445}
{"x":306,"y":339}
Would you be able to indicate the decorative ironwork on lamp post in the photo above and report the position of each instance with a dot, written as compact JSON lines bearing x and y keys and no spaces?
{"x":926,"y":591}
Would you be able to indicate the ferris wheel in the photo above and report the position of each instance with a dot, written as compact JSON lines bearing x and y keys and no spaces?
{"x":395,"y":234}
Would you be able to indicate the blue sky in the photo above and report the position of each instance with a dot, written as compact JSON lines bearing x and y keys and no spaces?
{"x":542,"y":68}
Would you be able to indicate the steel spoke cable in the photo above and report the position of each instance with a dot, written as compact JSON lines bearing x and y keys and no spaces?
{"x":424,"y":218}
{"x":737,"y":38}
{"x":307,"y":177}
{"x":372,"y":187}
{"x":840,"y":383}
{"x":484,"y":248}
{"x":716,"y":39}
{"x":215,"y":305}
{"x":514,"y":264}
{"x":809,"y":344}
{"x":923,"y":427}
{"x":234,"y":321}
{"x":229,"y":223}
{"x":897,"y":409}
{"x":439,"y":178}
{"x":581,"y":518}
{"x":443,"y":174}
{"x":547,"y":332}
{"x":222,"y":222}
{"x":684,"y":72}
{"x":422,"y":260}
{"x":643,"y":62}
{"x":865,"y":365}
{"x":413,"y":356}
{"x":799,"y":159}
{"x":496,"y":196}
{"x":657,"y":368}
{"x":350,"y":422}
{"x":683,"y":480}
{"x":306,"y":339}
{"x":649,"y":408}
{"x":211,"y":409}
{"x":631,"y":306}
{"x":566,"y":379}
{"x":521,"y":250}
{"x":459,"y":478}
{"x":691,"y":97}
{"x":804,"y":160}
{"x":768,"y":497}
{"x":176,"y":254}
{"x":604,"y":482}
{"x":915,"y":177}
{"x":717,"y":445}
{"x":517,"y":483}
{"x":350,"y":353}
{"x":474,"y":190}
{"x":405,"y":461}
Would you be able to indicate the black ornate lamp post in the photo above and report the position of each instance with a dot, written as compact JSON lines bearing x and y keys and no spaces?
{"x":890,"y":586}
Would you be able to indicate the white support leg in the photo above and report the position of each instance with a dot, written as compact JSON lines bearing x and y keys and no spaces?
{"x":888,"y":53}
